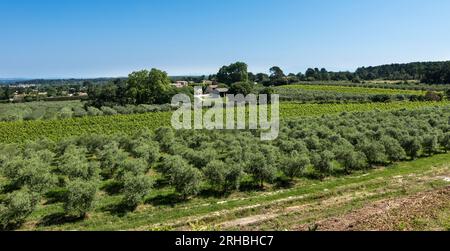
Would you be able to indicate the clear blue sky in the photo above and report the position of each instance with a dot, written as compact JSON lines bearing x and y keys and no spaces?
{"x":94,"y":38}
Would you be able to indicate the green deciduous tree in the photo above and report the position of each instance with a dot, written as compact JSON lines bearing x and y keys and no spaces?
{"x":243,"y":88}
{"x":233,"y":73}
{"x":148,"y":87}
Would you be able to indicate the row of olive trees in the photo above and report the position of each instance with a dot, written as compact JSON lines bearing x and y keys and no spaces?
{"x":316,"y":96}
{"x":68,"y":110}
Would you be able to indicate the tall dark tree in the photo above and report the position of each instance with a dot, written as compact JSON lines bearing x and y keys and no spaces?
{"x":237,"y":72}
{"x":277,"y":76}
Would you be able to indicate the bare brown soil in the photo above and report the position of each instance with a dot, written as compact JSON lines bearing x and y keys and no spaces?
{"x":389,"y":215}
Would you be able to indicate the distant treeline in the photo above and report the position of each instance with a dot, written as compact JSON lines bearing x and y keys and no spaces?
{"x":427,"y":72}
{"x":70,"y":81}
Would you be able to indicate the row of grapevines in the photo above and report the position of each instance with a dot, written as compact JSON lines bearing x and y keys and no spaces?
{"x":21,"y":131}
{"x":353,"y":90}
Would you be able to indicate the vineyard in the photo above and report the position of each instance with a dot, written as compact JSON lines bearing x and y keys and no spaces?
{"x":22,"y":131}
{"x":381,"y":84}
{"x":353,"y":90}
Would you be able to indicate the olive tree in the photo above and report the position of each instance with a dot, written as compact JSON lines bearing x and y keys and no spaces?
{"x":430,"y":144}
{"x":110,"y":157}
{"x":75,"y":165}
{"x":323,"y":161}
{"x":186,"y":180}
{"x":394,"y":150}
{"x":182,"y":176}
{"x":294,"y":165}
{"x":80,"y":197}
{"x":412,"y":146}
{"x":136,"y":187}
{"x":134,"y":167}
{"x":16,"y":207}
{"x":445,"y":141}
{"x":260,"y":168}
{"x":32,"y":173}
{"x":374,"y":151}
{"x":353,"y":160}
{"x":149,"y":151}
{"x":222,"y":176}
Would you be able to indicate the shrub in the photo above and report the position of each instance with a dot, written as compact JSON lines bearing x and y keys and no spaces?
{"x":93,"y":111}
{"x":124,"y":109}
{"x":16,"y":208}
{"x":381,"y":98}
{"x":433,"y":96}
{"x":80,"y":197}
{"x":108,"y":110}
{"x":243,"y":88}
{"x":136,"y":187}
{"x":79,"y":112}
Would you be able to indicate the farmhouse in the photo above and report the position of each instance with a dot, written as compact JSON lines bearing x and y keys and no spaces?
{"x":180,"y":84}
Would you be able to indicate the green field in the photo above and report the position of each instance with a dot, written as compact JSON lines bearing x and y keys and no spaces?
{"x":21,"y":131}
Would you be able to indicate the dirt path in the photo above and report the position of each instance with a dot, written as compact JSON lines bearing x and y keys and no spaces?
{"x":254,"y":219}
{"x":388,"y":215}
{"x":294,"y":210}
